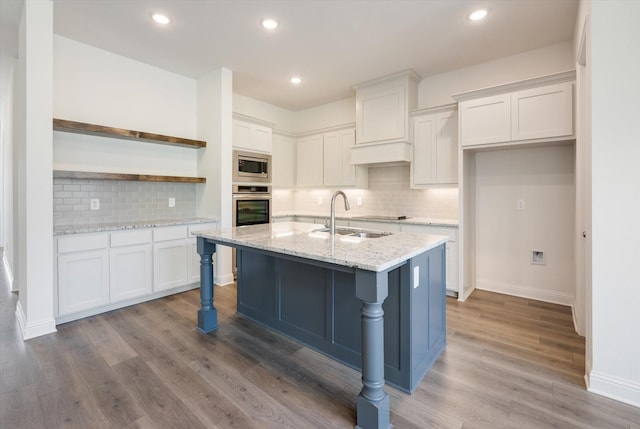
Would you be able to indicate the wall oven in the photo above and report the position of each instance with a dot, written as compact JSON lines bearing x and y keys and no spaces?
{"x":251,"y":167}
{"x":251,"y":204}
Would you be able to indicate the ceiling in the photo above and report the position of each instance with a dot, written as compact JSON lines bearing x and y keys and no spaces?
{"x":331,"y":44}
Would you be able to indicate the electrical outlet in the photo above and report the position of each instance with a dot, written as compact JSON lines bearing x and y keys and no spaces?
{"x":172,"y":202}
{"x":320,"y":201}
{"x":416,"y":276}
{"x":520,"y":204}
{"x":95,"y":204}
{"x":359,"y":201}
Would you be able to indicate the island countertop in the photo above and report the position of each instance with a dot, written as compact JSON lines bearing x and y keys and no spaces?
{"x":303,"y":240}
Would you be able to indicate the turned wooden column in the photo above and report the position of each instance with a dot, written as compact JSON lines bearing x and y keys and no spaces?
{"x":373,"y":402}
{"x":207,"y":315}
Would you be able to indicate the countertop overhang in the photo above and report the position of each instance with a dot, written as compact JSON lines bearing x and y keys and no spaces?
{"x":304,"y":241}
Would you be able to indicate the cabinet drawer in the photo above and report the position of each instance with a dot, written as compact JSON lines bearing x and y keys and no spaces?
{"x":130,"y":238}
{"x":78,"y":243}
{"x":170,"y":233}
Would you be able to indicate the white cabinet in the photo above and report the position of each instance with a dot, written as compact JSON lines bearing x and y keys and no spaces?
{"x":283,"y":161}
{"x":382,"y":108}
{"x":169,"y":257}
{"x":435,"y":147}
{"x":83,"y":272}
{"x":130,"y":265}
{"x":539,"y":113}
{"x":310,"y":155}
{"x":338,"y":170}
{"x":325,"y":160}
{"x":251,"y":137}
{"x":451,"y":250}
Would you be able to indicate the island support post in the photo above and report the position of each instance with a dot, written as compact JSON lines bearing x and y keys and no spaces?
{"x":373,"y":402}
{"x":207,"y":315}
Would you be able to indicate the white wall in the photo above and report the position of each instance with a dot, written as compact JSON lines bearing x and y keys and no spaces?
{"x":616,"y":204}
{"x":34,"y":310}
{"x":6,"y":159}
{"x":436,"y":90}
{"x":96,"y":86}
{"x":285,"y":120}
{"x":544,"y":179}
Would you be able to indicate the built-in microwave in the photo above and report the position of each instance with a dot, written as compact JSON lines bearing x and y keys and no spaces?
{"x":251,"y":167}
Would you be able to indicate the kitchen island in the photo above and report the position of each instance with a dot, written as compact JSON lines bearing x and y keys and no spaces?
{"x":377,"y":304}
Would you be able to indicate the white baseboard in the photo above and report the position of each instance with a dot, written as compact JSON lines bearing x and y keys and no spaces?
{"x":467,"y":293}
{"x":223,"y":279}
{"x":614,"y":388}
{"x":526,"y":292}
{"x":32,"y":330}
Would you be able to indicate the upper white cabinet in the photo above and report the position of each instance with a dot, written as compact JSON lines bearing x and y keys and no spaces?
{"x":283,"y":161}
{"x":534,"y":110}
{"x":310,"y":155}
{"x":251,"y":136}
{"x":435,"y":146}
{"x":382,"y":119}
{"x":325,"y":160}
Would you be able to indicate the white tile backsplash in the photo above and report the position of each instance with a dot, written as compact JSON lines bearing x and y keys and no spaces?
{"x":388,"y":194}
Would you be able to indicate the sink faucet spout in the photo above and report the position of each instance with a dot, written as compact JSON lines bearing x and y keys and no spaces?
{"x":332,"y":221}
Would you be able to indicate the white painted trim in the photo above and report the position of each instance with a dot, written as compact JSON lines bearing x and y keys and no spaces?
{"x":407,"y":74}
{"x":525,"y":292}
{"x":575,"y":319}
{"x":615,"y":388}
{"x":433,"y":109}
{"x":33,"y":330}
{"x":223,"y":280}
{"x":253,"y":119}
{"x":326,"y":129}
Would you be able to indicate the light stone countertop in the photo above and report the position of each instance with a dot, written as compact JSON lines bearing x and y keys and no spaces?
{"x":343,"y":216}
{"x":121,"y":226}
{"x":300,"y":239}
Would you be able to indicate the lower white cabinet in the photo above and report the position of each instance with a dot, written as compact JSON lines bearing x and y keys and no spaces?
{"x":130,"y":265}
{"x":451,"y":249}
{"x":82,"y":272}
{"x":100,"y":272}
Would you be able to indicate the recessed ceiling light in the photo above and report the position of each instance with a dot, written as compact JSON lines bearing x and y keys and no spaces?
{"x":295,"y":80}
{"x":478,"y":14}
{"x":161,"y":19}
{"x":270,"y":24}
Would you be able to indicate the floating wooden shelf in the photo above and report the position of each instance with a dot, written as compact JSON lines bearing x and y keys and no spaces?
{"x":61,"y":174}
{"x":119,"y":133}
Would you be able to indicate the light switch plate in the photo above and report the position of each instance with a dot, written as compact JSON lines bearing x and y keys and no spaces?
{"x":95,"y":203}
{"x":172,"y":202}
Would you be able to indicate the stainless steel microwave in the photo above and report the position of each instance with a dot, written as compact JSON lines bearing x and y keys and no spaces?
{"x":251,"y":167}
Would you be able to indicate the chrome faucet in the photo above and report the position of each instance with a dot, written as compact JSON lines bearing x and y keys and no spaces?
{"x":332,"y":221}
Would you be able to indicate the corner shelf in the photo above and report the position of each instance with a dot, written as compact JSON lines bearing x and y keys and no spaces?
{"x":120,"y":133}
{"x":62,"y":174}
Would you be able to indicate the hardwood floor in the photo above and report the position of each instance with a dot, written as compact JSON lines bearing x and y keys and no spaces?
{"x":509,"y":363}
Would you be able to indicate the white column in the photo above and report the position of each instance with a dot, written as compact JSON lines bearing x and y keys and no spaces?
{"x":34,"y":133}
{"x":615,"y":200}
{"x":215,"y":126}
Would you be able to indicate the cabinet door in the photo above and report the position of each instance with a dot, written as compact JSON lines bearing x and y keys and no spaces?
{"x":347,"y":140}
{"x":424,"y":149}
{"x":83,"y":281}
{"x":251,"y":137}
{"x":381,"y":114}
{"x":261,"y":138}
{"x":485,"y":120}
{"x":542,"y":112}
{"x":131,"y":271}
{"x":310,"y":165}
{"x":169,"y":264}
{"x":446,"y":148}
{"x":284,"y":161}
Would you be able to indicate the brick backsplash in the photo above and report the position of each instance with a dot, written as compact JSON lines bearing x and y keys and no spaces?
{"x":120,"y":201}
{"x":388,"y":194}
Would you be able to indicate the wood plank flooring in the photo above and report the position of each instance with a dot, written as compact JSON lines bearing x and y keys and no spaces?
{"x":509,"y":363}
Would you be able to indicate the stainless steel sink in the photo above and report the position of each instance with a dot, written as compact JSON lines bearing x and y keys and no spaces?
{"x":352,"y":232}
